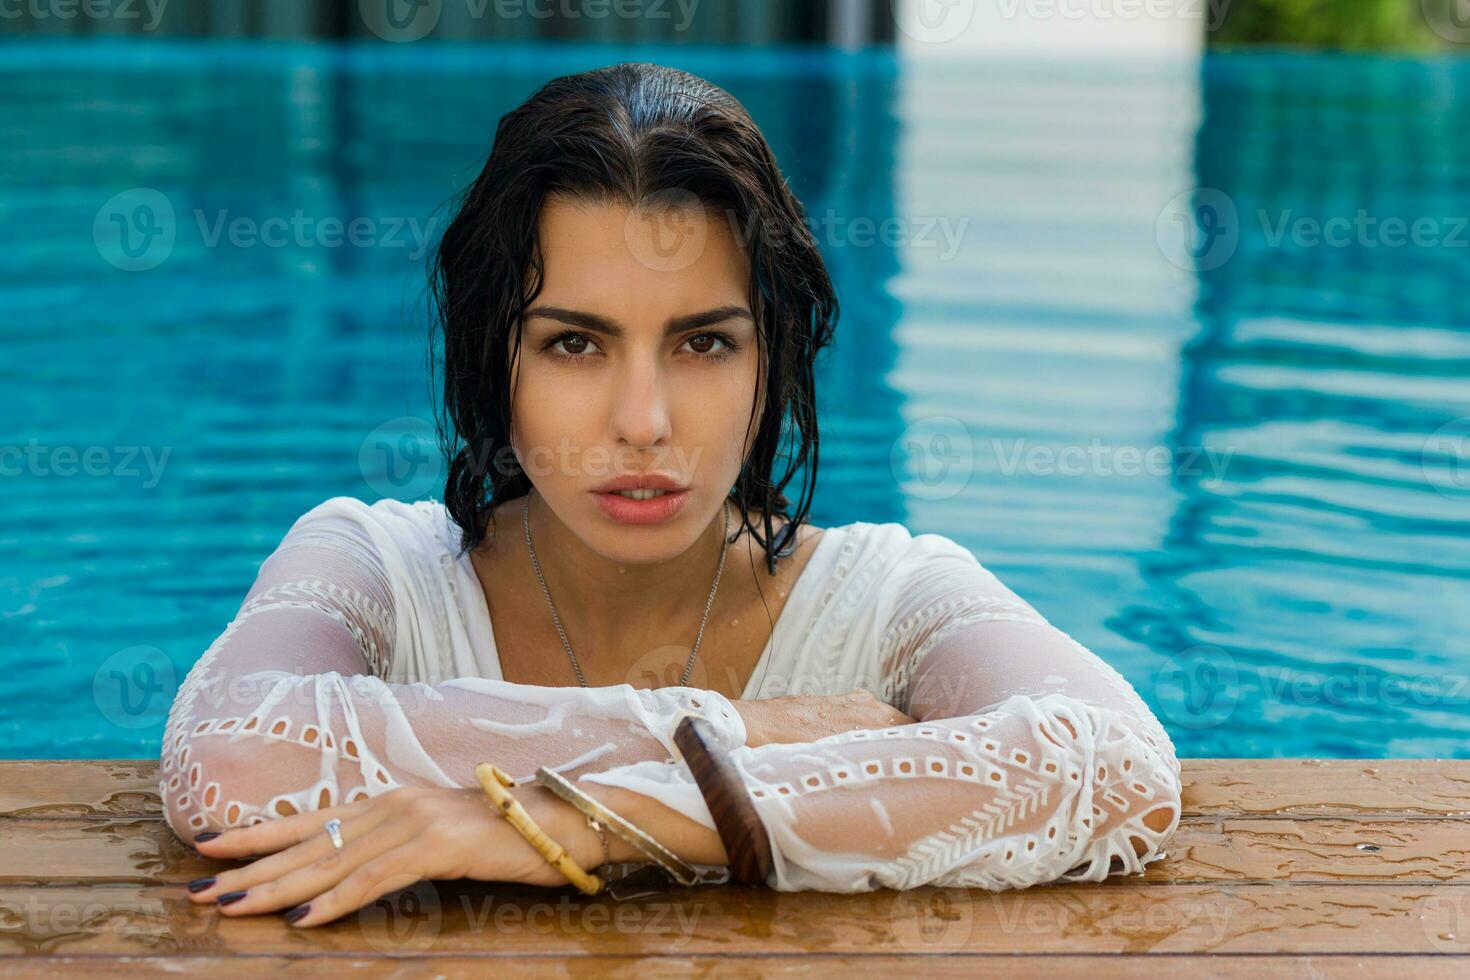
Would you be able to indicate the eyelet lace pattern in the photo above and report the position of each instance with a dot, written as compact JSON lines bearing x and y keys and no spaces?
{"x":342,"y":676}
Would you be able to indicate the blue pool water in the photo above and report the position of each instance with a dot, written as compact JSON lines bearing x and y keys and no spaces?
{"x":1102,"y":348}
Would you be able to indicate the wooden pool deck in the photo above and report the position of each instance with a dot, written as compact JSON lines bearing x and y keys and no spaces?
{"x":1298,"y":867}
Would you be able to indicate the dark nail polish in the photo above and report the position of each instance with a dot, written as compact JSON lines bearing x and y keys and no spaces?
{"x":199,"y":884}
{"x":208,"y":835}
{"x":298,"y":913}
{"x":229,"y":897}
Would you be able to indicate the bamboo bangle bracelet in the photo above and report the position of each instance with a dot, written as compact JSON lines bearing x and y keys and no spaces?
{"x":494,"y":780}
{"x":736,"y":820}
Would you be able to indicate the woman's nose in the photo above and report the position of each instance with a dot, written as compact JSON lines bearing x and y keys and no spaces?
{"x":640,"y":406}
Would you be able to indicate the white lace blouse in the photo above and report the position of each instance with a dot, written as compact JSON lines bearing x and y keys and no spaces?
{"x":362,"y":660}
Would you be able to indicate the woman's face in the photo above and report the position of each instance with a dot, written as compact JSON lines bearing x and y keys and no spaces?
{"x":637,"y":357}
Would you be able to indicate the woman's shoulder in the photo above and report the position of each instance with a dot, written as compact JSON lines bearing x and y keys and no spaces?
{"x":894,"y":545}
{"x":390,"y":526}
{"x":885,"y":565}
{"x":386,"y":511}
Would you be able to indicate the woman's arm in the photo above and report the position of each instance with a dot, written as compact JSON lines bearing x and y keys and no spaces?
{"x":285,"y":712}
{"x":1032,"y":760}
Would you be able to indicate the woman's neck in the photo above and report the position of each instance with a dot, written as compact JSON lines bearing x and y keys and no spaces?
{"x":607,"y":605}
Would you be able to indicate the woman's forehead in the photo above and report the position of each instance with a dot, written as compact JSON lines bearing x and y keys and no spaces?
{"x":614,"y":255}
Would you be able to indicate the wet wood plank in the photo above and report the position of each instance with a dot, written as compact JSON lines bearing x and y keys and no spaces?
{"x":80,"y":788}
{"x":960,"y":966}
{"x":463,"y":918}
{"x":141,"y":850}
{"x":1337,"y":787}
{"x":1311,"y":867}
{"x":1322,"y":849}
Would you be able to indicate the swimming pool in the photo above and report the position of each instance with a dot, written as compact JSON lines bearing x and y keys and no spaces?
{"x":1088,"y":331}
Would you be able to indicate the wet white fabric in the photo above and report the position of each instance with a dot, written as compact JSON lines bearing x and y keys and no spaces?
{"x":363,"y":659}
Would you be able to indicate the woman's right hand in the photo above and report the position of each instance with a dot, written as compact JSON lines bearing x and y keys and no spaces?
{"x":807,"y":717}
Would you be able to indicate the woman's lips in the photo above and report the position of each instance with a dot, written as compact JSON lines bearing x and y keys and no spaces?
{"x":655,"y":510}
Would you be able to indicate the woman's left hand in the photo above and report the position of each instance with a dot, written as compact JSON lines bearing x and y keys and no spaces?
{"x":389,"y":842}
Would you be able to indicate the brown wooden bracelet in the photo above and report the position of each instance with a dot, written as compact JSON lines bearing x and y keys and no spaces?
{"x":739,"y":825}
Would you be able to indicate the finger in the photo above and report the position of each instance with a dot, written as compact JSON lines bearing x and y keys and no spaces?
{"x":317,"y":847}
{"x":303,"y":883}
{"x":386,"y":873}
{"x":276,"y":834}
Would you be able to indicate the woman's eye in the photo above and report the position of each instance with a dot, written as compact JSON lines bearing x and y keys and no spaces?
{"x":702,"y":343}
{"x":577,"y":344}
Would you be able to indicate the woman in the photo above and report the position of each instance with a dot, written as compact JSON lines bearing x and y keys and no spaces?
{"x":631,"y":305}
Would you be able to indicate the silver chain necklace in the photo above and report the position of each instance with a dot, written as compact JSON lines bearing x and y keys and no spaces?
{"x":709,"y":603}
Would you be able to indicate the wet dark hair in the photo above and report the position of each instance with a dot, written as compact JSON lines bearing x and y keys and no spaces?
{"x":628,"y":134}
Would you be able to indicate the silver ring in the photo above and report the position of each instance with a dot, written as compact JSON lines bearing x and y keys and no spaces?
{"x":333,"y":828}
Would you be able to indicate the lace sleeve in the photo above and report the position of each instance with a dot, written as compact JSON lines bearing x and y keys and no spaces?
{"x":1032,"y":761}
{"x":286,"y":711}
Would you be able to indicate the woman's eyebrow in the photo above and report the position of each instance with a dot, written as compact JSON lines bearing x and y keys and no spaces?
{"x":601,"y":324}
